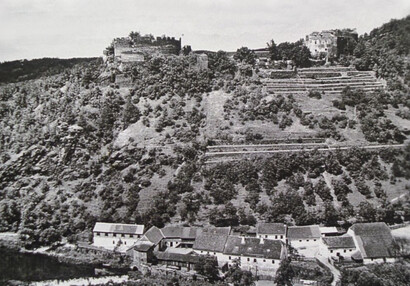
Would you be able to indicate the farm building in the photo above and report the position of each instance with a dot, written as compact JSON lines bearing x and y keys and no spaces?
{"x":116,"y":235}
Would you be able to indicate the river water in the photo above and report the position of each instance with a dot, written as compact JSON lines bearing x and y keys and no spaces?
{"x":37,"y":267}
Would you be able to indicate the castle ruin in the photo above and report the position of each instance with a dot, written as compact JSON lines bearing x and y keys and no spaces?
{"x":135,"y":48}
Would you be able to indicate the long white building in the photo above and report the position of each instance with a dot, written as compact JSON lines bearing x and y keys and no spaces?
{"x":116,"y":235}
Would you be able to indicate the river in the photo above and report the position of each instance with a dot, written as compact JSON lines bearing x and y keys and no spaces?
{"x":37,"y":267}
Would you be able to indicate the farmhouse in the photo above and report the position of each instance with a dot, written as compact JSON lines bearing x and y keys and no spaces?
{"x":339,"y":246}
{"x":259,"y":255}
{"x":177,"y":236}
{"x":142,"y":252}
{"x":275,"y":231}
{"x":178,"y":258}
{"x":304,"y":236}
{"x":375,"y":242}
{"x":212,"y":244}
{"x":329,"y":231}
{"x":116,"y":235}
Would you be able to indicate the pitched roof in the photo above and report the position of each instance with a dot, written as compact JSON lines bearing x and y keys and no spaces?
{"x":226,"y":230}
{"x":328,"y":229}
{"x":304,"y":232}
{"x":143,"y":246}
{"x":251,"y":246}
{"x":339,"y":242}
{"x":374,"y":240}
{"x":371,"y":229}
{"x":180,"y":232}
{"x":118,"y":228}
{"x":210,"y":242}
{"x":271,"y":228}
{"x":376,"y":247}
{"x":172,"y":256}
{"x":154,"y":235}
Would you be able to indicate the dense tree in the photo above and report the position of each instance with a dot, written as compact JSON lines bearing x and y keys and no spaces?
{"x":239,"y":277}
{"x":208,"y":266}
{"x":284,"y":274}
{"x":273,"y":51}
{"x":245,"y":55}
{"x":131,"y":113}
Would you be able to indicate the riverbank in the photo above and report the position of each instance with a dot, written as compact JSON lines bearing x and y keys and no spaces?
{"x":84,"y":281}
{"x":69,"y":253}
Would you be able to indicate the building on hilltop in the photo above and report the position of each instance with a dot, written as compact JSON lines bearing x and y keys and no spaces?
{"x":330,"y":42}
{"x":135,"y":48}
{"x":324,"y":42}
{"x":116,"y":235}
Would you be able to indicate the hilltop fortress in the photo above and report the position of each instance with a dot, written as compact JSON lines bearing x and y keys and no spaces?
{"x":135,"y":48}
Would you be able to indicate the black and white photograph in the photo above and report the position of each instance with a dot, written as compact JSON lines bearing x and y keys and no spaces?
{"x":205,"y":142}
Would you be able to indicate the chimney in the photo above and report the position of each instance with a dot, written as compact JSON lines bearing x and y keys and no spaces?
{"x":243,"y":240}
{"x":262,"y":241}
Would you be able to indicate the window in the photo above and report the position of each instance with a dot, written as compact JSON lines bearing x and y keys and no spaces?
{"x":307,"y":239}
{"x":201,"y":251}
{"x":229,"y":258}
{"x":131,"y":235}
{"x":248,"y":259}
{"x":266,"y":236}
{"x":254,"y":260}
{"x":276,"y":236}
{"x":98,"y":234}
{"x":350,"y":250}
{"x":273,"y":261}
{"x":115,"y":235}
{"x":264,"y":260}
{"x":122,"y":235}
{"x":106,"y":234}
{"x":314,"y":240}
{"x":331,"y":251}
{"x":125,"y":242}
{"x":344,"y":251}
{"x":113,"y":242}
{"x":300,"y":240}
{"x":214,"y":253}
{"x":281,"y":236}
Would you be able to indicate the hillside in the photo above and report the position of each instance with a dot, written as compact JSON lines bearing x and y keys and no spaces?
{"x":179,"y":144}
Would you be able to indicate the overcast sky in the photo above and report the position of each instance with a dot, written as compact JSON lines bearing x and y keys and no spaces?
{"x":80,"y":28}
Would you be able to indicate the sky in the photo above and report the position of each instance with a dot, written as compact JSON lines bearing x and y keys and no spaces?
{"x":83,"y":28}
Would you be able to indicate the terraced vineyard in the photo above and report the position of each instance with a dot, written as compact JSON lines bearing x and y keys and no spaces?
{"x":224,"y":153}
{"x":325,"y":80}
